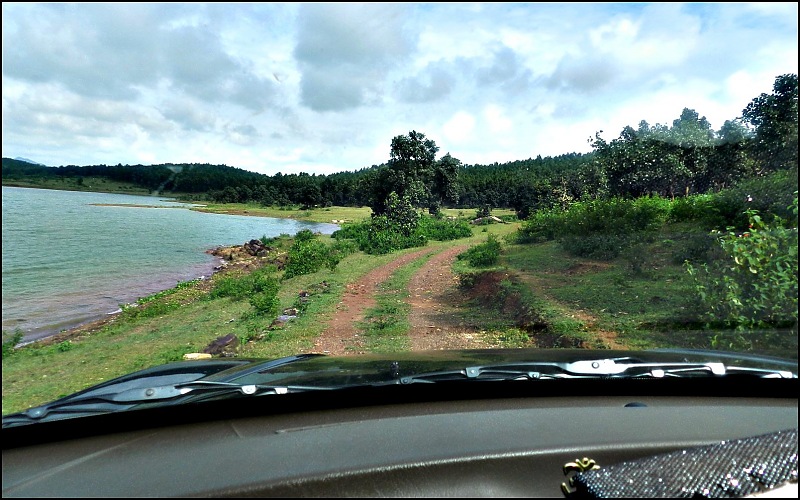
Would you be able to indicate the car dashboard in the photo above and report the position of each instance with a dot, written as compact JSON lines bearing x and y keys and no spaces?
{"x":423,"y":440}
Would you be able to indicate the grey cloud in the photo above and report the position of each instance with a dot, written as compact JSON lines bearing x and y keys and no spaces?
{"x":188,"y":116}
{"x":243,"y":135}
{"x":506,"y":70}
{"x":582,"y":74}
{"x":434,"y":84}
{"x":323,"y":91}
{"x":344,"y":51}
{"x":115,"y":50}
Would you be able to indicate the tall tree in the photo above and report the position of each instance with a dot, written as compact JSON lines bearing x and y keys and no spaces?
{"x":414,"y":175}
{"x":774,"y":117}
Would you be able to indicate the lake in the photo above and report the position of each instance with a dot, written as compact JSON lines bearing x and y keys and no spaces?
{"x":72,"y":257}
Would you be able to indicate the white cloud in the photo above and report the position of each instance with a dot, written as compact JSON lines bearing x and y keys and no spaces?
{"x":459,"y":128}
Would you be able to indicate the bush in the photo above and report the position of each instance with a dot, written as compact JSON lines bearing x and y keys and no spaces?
{"x":755,"y":285}
{"x":233,"y":286}
{"x":768,"y":195}
{"x":483,"y":255}
{"x":599,"y":229}
{"x":443,"y":229}
{"x":306,"y":257}
{"x":696,"y":208}
{"x":380,"y":235}
{"x":10,"y":341}
{"x":265,"y":297}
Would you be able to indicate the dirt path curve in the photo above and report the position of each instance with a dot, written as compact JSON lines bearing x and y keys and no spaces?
{"x":434,"y":296}
{"x":341,"y":334}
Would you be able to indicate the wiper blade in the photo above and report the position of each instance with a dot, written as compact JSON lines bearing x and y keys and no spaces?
{"x":160,"y":395}
{"x":206,"y":387}
{"x":596,"y":368}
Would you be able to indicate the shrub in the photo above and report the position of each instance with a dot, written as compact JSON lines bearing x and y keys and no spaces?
{"x":597,"y":228}
{"x":443,"y":229}
{"x":10,"y":341}
{"x":755,"y":285}
{"x":696,"y":208}
{"x":380,"y":235}
{"x":306,"y":257}
{"x":233,"y":286}
{"x":483,"y":255}
{"x":265,"y":300}
{"x":768,"y":195}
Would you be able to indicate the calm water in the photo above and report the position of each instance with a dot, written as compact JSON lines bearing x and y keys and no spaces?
{"x":67,"y":261}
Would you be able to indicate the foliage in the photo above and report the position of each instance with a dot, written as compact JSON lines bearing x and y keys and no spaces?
{"x":775,"y":118}
{"x":380,"y":236}
{"x":10,"y":341}
{"x":755,"y":286}
{"x":768,"y":194}
{"x":483,"y":255}
{"x":307,"y":255}
{"x":264,"y":298}
{"x":232,"y":285}
{"x":158,"y":303}
{"x":444,"y":229}
{"x":596,"y":228}
{"x":400,"y":214}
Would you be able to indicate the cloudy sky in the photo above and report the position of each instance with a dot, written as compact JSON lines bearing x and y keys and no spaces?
{"x":322,"y":88}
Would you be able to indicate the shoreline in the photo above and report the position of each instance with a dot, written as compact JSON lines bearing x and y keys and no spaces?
{"x":93,"y":322}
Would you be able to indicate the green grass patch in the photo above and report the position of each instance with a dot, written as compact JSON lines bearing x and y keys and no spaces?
{"x":385,"y":327}
{"x":328,"y":214}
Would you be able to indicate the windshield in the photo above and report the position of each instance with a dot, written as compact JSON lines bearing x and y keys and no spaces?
{"x":530,"y":185}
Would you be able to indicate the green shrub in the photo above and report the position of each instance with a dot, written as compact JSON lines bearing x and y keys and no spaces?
{"x":483,"y":255}
{"x":755,"y":286}
{"x":306,"y":257}
{"x":233,"y":286}
{"x":696,"y":208}
{"x":265,"y":303}
{"x":10,"y":340}
{"x":768,"y":195}
{"x":599,"y":229}
{"x":596,"y":246}
{"x":440,"y":229}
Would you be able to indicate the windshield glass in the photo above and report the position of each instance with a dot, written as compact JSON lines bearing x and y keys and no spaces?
{"x":522,"y":183}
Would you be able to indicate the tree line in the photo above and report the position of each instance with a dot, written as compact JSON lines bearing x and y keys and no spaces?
{"x":683,"y":158}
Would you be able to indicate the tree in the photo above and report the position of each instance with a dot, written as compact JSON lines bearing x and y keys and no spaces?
{"x":444,"y":185}
{"x":414,"y":175}
{"x":774,"y":117}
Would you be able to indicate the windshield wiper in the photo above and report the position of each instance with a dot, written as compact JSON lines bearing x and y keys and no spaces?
{"x":596,"y":368}
{"x":159,"y":395}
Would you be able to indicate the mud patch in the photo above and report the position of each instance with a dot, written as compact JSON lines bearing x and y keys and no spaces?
{"x":503,"y":292}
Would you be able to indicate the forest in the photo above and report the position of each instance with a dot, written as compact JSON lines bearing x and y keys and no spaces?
{"x":674,"y":160}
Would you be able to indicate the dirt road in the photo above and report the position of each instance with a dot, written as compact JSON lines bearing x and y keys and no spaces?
{"x":433,"y":299}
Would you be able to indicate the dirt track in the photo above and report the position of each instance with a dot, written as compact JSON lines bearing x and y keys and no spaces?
{"x":433,"y":299}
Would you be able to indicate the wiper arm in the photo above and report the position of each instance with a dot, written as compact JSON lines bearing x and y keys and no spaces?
{"x":597,"y":368}
{"x":169,"y":394}
{"x":207,"y":387}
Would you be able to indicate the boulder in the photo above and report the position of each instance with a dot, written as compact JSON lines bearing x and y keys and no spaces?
{"x":223,"y":346}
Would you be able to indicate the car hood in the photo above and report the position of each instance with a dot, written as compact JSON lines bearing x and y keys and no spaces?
{"x":326,"y":370}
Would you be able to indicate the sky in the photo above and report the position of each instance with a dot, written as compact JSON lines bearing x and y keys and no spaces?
{"x":323,"y":88}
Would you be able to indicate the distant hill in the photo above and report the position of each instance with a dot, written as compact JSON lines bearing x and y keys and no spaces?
{"x":19,"y":158}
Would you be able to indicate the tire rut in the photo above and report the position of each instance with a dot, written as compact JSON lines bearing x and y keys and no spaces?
{"x":341,"y":335}
{"x":434,"y":297}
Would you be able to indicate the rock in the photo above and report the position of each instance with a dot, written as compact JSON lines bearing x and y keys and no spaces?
{"x":256,"y":248}
{"x":223,"y":346}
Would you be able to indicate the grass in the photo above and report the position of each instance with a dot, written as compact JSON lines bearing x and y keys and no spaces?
{"x":93,"y":184}
{"x":385,"y":327}
{"x":327,"y":214}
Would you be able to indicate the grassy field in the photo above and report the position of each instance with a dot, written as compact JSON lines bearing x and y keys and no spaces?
{"x":539,"y":296}
{"x":93,"y":184}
